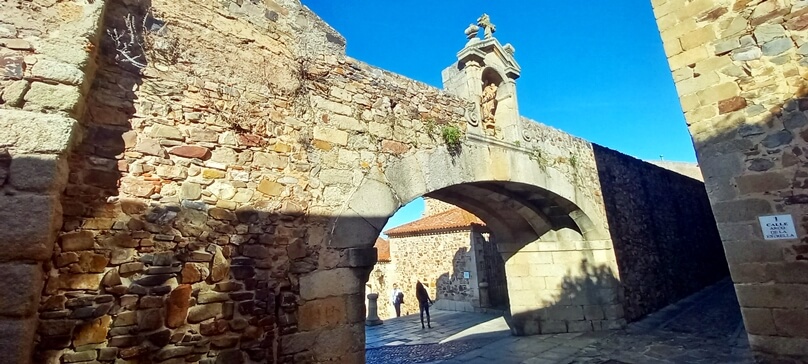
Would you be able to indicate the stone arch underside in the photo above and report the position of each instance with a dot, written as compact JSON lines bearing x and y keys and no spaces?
{"x":480,"y":175}
{"x":553,"y":236}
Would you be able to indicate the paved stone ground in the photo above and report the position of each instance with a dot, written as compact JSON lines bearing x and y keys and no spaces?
{"x":703,"y":328}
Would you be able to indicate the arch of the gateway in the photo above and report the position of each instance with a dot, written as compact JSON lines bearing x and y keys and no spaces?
{"x":540,"y":218}
{"x":164,"y":201}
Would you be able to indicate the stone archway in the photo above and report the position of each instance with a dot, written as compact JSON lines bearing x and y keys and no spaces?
{"x":160,"y":171}
{"x":562,"y":275}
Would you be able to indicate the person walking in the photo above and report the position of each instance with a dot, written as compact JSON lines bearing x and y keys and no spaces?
{"x":423,"y":303}
{"x":397,"y":298}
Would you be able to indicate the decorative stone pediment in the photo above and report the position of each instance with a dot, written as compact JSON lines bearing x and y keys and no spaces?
{"x":490,"y":53}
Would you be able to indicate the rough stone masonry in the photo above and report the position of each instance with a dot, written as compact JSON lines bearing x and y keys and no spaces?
{"x":741,"y":68}
{"x":202,"y":181}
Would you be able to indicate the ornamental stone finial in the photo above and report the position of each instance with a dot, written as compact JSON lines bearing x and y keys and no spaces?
{"x":488,"y":28}
{"x":509,"y":49}
{"x":472,"y":31}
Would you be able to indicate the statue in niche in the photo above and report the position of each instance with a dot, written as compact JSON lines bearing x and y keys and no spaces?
{"x":488,"y":104}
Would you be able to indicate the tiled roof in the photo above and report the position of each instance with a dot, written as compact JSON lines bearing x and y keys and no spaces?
{"x":451,"y":219}
{"x":383,"y":249}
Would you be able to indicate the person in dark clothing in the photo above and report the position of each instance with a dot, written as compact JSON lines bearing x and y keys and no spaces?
{"x":423,"y":303}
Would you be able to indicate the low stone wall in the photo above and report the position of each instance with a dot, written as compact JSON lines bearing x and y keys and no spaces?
{"x":664,"y":235}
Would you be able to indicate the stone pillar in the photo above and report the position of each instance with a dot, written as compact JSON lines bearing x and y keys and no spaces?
{"x":553,"y":292}
{"x":373,"y":314}
{"x":332,"y":319}
{"x":740,"y":72}
{"x":47,"y":69}
{"x":508,"y":111}
{"x":484,"y":300}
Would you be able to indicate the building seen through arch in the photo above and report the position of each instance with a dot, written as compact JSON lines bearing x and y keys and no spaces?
{"x":451,"y":252}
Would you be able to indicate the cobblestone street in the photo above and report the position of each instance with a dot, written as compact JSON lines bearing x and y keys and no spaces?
{"x":703,"y":328}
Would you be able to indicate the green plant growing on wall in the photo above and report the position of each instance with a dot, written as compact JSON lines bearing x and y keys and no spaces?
{"x":451,"y":136}
{"x":576,"y":179}
{"x":430,"y":127}
{"x":539,"y":158}
{"x":517,"y":143}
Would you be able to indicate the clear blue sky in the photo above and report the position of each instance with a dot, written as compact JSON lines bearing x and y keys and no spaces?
{"x":408,"y":213}
{"x":595,"y":69}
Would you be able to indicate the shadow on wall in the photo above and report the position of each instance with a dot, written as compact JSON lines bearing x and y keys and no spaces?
{"x":664,"y":235}
{"x":453,"y":286}
{"x":494,"y":285}
{"x":754,"y":166}
{"x":151,"y":281}
{"x":468,"y":294}
{"x":586,"y":301}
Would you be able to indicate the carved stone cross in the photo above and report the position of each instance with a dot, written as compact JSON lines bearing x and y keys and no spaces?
{"x":488,"y":28}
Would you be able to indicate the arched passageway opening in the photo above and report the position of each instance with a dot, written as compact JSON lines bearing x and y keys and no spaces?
{"x":449,"y":250}
{"x":556,"y":274}
{"x":561,"y":276}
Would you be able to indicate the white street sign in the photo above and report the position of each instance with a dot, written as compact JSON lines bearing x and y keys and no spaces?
{"x":777,"y":227}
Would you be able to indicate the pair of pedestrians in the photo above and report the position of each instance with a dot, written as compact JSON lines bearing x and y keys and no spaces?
{"x":423,"y":302}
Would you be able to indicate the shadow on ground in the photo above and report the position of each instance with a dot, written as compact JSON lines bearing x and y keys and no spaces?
{"x":705,"y":327}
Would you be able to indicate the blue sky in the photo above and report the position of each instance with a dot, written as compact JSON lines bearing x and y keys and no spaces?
{"x":595,"y":69}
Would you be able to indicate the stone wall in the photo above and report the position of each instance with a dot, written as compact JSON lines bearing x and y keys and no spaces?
{"x":46,"y":66}
{"x":457,"y":293}
{"x":197,"y":201}
{"x":684,"y":168}
{"x":663,"y":232}
{"x":740,"y":68}
{"x":165,"y":250}
{"x":195,"y":193}
{"x":381,"y":281}
{"x":434,"y":207}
